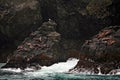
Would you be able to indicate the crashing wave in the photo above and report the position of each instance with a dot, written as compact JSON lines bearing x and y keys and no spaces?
{"x":55,"y":68}
{"x":61,"y":67}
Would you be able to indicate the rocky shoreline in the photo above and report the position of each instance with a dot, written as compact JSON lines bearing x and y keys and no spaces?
{"x":35,"y":33}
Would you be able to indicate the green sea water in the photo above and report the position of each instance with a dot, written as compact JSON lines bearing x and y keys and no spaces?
{"x":56,"y":71}
{"x":58,"y":76}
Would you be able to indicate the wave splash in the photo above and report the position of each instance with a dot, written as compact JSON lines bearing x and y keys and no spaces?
{"x":61,"y":67}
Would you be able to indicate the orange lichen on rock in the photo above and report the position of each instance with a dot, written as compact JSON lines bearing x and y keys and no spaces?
{"x":110,"y":41}
{"x":104,"y":33}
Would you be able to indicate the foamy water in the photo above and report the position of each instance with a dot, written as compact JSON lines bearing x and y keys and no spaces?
{"x":2,"y":64}
{"x":61,"y":67}
{"x":57,"y":71}
{"x":17,"y":70}
{"x":55,"y":68}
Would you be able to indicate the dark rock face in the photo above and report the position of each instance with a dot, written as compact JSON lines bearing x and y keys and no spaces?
{"x":114,"y":10}
{"x":80,"y":19}
{"x":74,"y":18}
{"x":99,"y":8}
{"x":19,"y":18}
{"x":102,"y":50}
{"x":5,"y":43}
{"x":48,"y":9}
{"x":84,"y":66}
{"x":71,"y":16}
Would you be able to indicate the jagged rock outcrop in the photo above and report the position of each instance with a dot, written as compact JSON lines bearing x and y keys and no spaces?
{"x":36,"y":49}
{"x":5,"y":47}
{"x":103,"y":51}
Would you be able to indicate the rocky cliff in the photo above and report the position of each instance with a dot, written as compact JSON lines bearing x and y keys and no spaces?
{"x":74,"y":18}
{"x":77,"y":20}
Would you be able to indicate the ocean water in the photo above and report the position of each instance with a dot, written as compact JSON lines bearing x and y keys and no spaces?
{"x":58,"y":71}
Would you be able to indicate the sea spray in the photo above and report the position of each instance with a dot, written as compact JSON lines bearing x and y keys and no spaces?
{"x":56,"y":71}
{"x":99,"y":73}
{"x":55,"y":68}
{"x":2,"y":64}
{"x":16,"y":70}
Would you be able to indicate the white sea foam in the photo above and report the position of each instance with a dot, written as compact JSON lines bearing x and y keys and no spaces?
{"x":2,"y":64}
{"x":61,"y":67}
{"x":17,"y":70}
{"x":115,"y":72}
{"x":55,"y":68}
{"x":99,"y":73}
{"x":118,"y":73}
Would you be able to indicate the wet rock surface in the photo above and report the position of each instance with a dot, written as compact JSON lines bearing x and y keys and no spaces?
{"x":85,"y":67}
{"x":102,"y":51}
